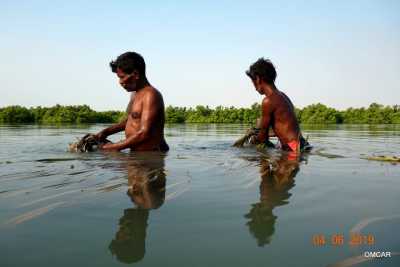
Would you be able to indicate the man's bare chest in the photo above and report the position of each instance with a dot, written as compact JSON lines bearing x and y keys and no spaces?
{"x":135,"y":108}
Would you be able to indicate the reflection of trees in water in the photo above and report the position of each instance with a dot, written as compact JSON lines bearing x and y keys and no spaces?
{"x":277,"y":178}
{"x":146,"y":180}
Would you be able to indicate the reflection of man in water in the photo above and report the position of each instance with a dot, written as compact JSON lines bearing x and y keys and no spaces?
{"x":146,"y":180}
{"x":277,"y":178}
{"x":129,"y":242}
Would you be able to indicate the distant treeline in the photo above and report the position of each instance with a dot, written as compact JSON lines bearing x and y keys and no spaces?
{"x":57,"y":114}
{"x":312,"y":114}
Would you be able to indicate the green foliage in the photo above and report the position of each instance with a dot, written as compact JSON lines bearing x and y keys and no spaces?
{"x":204,"y":114}
{"x":319,"y":114}
{"x":57,"y":114}
{"x":374,"y":114}
{"x":175,"y":114}
{"x":312,"y":114}
{"x":15,"y":114}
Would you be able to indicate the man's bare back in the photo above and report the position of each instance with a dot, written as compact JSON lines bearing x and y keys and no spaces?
{"x":278,"y":111}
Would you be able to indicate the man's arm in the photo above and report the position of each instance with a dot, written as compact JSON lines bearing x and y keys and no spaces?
{"x":147,"y":120}
{"x":111,"y":130}
{"x":271,"y":132}
{"x":267,"y":109}
{"x":116,"y":127}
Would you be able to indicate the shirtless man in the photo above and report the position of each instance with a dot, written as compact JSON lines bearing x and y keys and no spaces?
{"x":277,"y":109}
{"x":144,"y":126}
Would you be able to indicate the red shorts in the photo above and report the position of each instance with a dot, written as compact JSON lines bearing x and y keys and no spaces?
{"x":292,"y":146}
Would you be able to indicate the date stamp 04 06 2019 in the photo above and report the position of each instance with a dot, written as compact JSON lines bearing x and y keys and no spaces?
{"x":355,"y":240}
{"x":339,"y":240}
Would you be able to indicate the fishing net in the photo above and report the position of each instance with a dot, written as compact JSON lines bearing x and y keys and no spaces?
{"x":87,"y":143}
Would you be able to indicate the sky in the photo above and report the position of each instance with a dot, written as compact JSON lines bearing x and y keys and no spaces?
{"x":339,"y":53}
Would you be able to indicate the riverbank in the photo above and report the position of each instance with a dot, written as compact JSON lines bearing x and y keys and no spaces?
{"x":311,"y":114}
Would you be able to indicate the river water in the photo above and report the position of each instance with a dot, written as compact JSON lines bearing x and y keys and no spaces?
{"x":204,"y":203}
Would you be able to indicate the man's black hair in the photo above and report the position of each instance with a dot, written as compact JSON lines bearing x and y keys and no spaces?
{"x":128,"y":62}
{"x":264,"y":69}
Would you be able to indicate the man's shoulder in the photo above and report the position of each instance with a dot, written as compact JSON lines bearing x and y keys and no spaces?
{"x":280,"y":98}
{"x":151,"y":92}
{"x":269,"y":100}
{"x":275,"y":100}
{"x":152,"y":95}
{"x":268,"y":104}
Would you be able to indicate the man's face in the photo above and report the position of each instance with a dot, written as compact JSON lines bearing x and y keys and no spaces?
{"x":128,"y":81}
{"x":257,"y":85}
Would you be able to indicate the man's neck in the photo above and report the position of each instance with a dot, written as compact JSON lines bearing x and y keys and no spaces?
{"x":142,"y":84}
{"x":269,"y":89}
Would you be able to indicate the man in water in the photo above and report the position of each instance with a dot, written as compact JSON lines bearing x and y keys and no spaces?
{"x":144,"y":125}
{"x":277,"y":109}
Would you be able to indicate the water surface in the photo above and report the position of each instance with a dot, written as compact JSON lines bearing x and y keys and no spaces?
{"x":204,"y":203}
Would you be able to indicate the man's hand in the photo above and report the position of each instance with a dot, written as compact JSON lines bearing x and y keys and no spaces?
{"x":103,"y":134}
{"x":100,"y":136}
{"x":253,"y":140}
{"x":106,"y":147}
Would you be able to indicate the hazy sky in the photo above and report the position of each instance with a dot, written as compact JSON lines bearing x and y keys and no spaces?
{"x":339,"y":53}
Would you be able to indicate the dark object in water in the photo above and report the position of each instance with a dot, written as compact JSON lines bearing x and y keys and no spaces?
{"x":52,"y":160}
{"x":305,"y":146}
{"x":87,"y":143}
